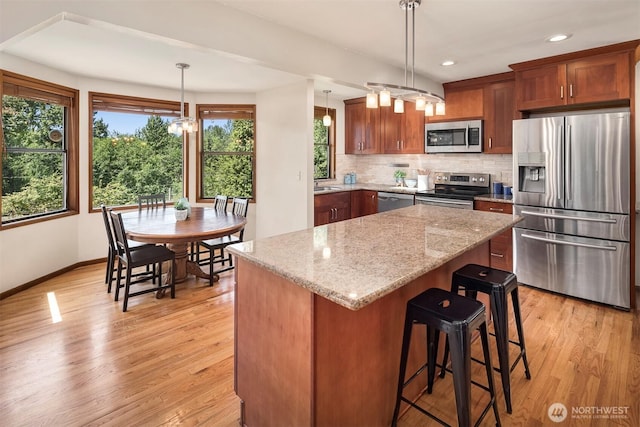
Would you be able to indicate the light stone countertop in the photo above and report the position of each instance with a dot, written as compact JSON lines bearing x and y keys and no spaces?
{"x":358,"y":261}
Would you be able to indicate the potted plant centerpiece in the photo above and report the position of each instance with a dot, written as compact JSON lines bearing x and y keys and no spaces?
{"x":399,"y":175}
{"x":182,"y":209}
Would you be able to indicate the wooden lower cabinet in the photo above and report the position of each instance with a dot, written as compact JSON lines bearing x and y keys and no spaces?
{"x":501,"y":246}
{"x":363,"y":202}
{"x":331,"y":207}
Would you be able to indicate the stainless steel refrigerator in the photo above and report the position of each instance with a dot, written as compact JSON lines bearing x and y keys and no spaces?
{"x":572,"y":185}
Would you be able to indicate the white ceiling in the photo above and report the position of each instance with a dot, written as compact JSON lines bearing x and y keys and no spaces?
{"x":482,"y":36}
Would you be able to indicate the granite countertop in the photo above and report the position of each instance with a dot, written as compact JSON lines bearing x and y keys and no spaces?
{"x":335,"y":188}
{"x":358,"y":261}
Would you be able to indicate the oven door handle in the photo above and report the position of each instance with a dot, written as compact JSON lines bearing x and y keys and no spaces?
{"x":562,"y":242}
{"x":575,"y":218}
{"x":445,"y":202}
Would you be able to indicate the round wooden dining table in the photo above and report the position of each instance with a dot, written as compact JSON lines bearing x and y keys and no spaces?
{"x":159,"y":225}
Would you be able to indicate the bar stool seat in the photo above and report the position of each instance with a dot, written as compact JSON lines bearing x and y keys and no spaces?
{"x":498,"y":284}
{"x":457,"y":316}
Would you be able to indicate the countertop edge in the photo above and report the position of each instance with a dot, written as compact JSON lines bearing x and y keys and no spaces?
{"x":358,"y":303}
{"x":338,"y":188}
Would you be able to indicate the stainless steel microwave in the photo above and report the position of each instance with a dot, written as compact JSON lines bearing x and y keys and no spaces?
{"x":453,"y":137}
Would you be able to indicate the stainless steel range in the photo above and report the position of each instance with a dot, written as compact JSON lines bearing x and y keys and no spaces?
{"x":455,"y":190}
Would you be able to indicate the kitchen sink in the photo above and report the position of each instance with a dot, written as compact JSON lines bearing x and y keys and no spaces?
{"x":325,"y":188}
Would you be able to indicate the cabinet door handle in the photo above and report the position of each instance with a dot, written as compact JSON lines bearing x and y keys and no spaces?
{"x":561,"y":92}
{"x":496,"y":209}
{"x":489,"y":142}
{"x":571,"y":90}
{"x":497,"y":255}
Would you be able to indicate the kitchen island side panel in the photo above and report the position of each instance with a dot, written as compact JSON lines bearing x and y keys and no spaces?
{"x":357,"y":353}
{"x":303,"y":360}
{"x":273,"y":348}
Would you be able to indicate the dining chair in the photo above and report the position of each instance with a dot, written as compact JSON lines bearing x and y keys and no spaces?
{"x":240,"y":207}
{"x":151,"y":201}
{"x":150,"y":255}
{"x":113,"y":251}
{"x":219,"y":204}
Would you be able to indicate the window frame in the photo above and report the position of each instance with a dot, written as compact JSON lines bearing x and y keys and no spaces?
{"x":126,"y":103}
{"x":63,"y":95}
{"x":203,"y":112}
{"x":318,"y":114}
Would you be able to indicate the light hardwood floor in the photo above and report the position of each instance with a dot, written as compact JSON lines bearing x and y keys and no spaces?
{"x":170,"y":362}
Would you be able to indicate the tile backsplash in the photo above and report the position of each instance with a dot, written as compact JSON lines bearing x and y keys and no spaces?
{"x":379,"y":168}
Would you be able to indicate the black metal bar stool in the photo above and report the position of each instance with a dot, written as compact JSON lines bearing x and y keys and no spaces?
{"x":498,"y":284}
{"x":457,"y":316}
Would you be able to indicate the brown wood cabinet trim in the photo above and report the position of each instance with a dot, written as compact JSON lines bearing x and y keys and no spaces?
{"x":479,"y":81}
{"x":618,"y":47}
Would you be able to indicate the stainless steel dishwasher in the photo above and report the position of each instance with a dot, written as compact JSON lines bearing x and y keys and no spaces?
{"x":389,"y":201}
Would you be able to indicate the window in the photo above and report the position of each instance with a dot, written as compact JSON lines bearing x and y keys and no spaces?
{"x":323,"y":144}
{"x":227,"y":154}
{"x":39,"y":150}
{"x":132,"y":151}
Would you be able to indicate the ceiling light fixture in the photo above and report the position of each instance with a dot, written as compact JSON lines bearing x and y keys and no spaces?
{"x":447,"y":63}
{"x":558,"y":37}
{"x":422,"y":98}
{"x":326,"y":120}
{"x":183,"y":124}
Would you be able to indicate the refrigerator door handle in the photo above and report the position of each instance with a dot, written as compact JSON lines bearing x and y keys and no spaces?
{"x":562,"y":242}
{"x":569,"y":168}
{"x":560,"y":167}
{"x":575,"y":218}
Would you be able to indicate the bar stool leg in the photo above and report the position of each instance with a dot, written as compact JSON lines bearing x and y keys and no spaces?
{"x":433,"y":336}
{"x":501,"y":326}
{"x":484,"y":336}
{"x":460,"y":344}
{"x":406,"y":340}
{"x":523,"y":351}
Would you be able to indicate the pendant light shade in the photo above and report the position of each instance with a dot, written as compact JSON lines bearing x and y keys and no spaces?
{"x":326,"y":120}
{"x":440,"y":109}
{"x":398,"y":106}
{"x":428,"y":110}
{"x":406,"y":92}
{"x":372,"y":100}
{"x":183,"y":124}
{"x":385,"y":98}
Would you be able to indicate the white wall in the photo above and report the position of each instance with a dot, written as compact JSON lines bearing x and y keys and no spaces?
{"x":285,"y":163}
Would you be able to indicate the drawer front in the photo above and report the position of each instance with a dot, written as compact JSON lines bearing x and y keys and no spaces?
{"x":496,"y":207}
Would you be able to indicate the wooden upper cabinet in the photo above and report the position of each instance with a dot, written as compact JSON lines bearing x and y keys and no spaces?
{"x":461,"y":104}
{"x":499,"y":112}
{"x":540,"y":87}
{"x":402,"y":133}
{"x":361,"y":127}
{"x":601,"y":78}
{"x":601,"y":75}
{"x":413,"y":140}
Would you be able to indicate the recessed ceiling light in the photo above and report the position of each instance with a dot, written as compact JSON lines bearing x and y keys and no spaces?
{"x":447,"y":63}
{"x":558,"y":37}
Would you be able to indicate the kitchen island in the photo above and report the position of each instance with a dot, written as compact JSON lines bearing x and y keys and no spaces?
{"x":319,"y":312}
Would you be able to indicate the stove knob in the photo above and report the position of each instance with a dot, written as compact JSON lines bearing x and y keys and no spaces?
{"x":481,"y":179}
{"x":474,"y":179}
{"x":444,"y":178}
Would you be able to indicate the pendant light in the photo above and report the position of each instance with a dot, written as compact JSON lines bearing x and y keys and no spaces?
{"x":326,"y":120}
{"x":422,"y":98}
{"x":183,"y":124}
